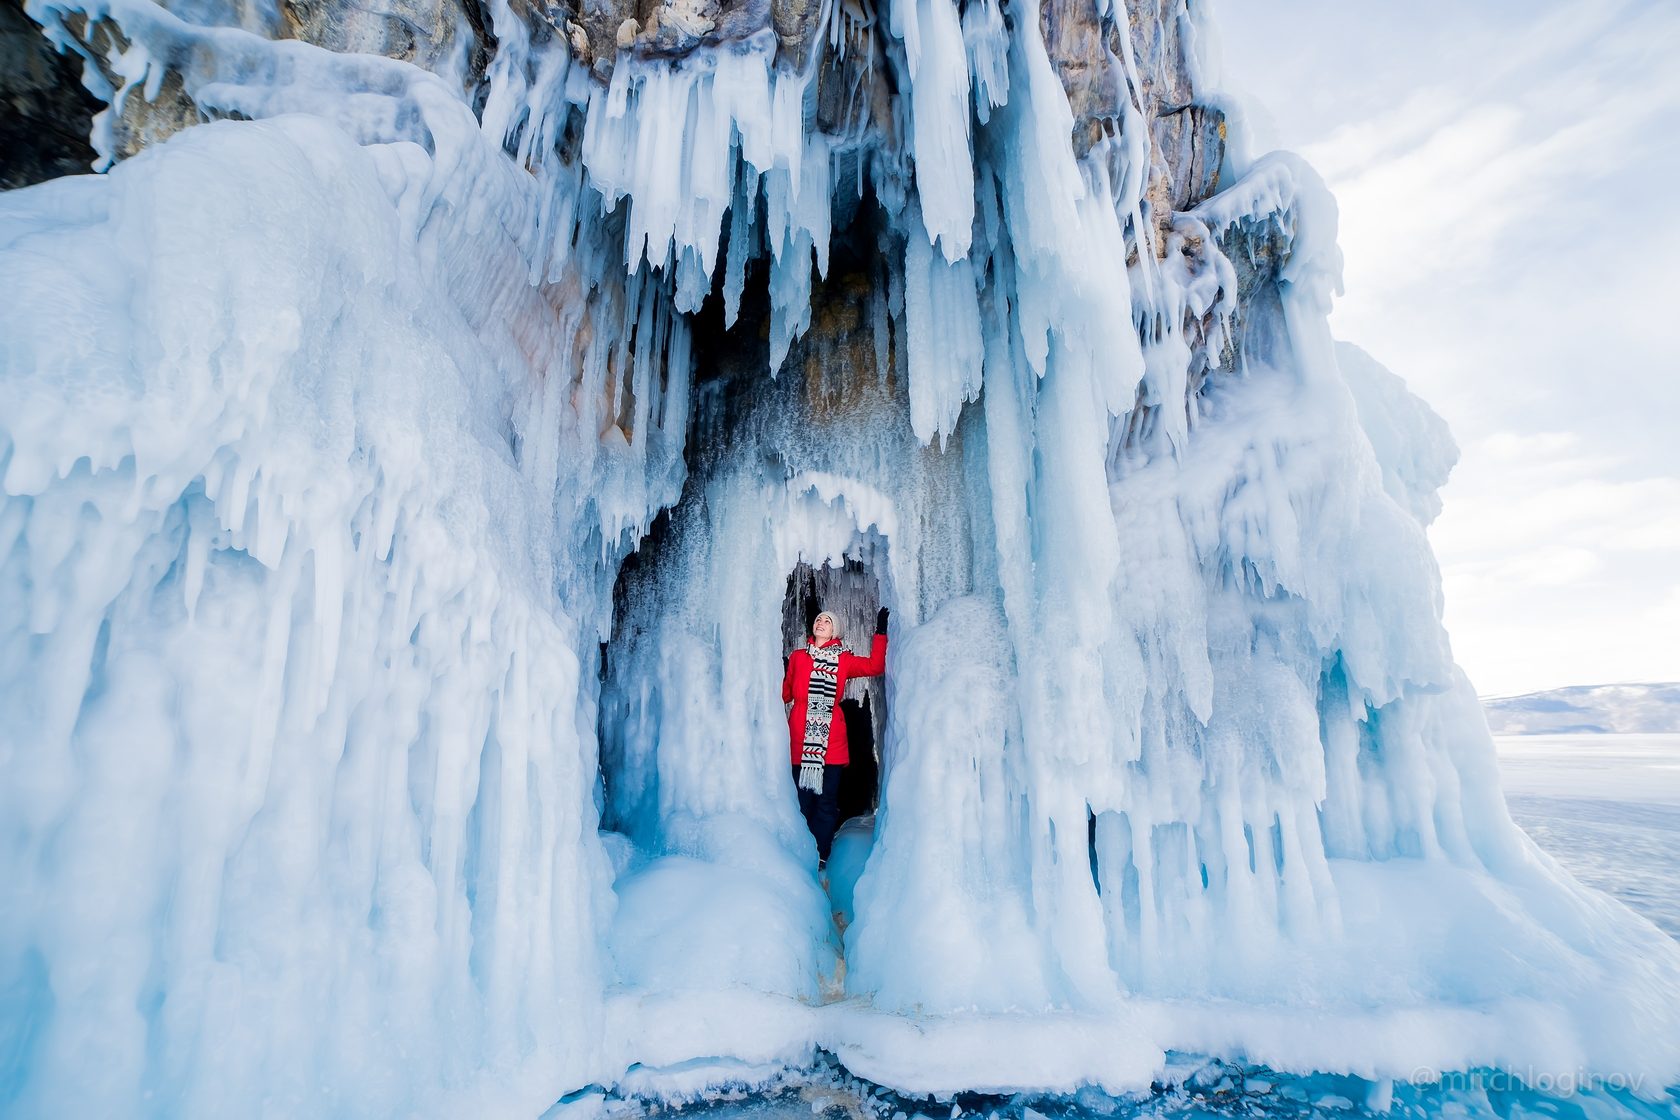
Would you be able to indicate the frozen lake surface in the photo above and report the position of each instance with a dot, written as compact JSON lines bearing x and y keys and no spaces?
{"x":1200,"y":1091}
{"x":1607,"y":807}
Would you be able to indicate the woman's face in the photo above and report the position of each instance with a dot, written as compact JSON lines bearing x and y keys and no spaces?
{"x":822,"y":630}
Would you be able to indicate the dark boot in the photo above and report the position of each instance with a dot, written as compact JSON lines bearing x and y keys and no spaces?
{"x":821,"y":810}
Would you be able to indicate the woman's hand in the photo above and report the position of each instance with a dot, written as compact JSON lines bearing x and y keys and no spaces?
{"x":881,"y":621}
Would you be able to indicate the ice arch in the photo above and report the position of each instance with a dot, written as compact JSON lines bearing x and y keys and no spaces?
{"x":716,"y":871}
{"x":693,"y":671}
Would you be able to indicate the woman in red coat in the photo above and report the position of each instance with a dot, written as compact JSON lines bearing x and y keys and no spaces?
{"x":814,"y":684}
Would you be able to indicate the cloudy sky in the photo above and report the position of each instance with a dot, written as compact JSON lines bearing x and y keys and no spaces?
{"x":1509,"y":180}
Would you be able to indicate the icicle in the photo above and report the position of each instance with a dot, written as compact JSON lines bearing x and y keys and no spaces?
{"x":942,"y":332}
{"x":938,"y":70}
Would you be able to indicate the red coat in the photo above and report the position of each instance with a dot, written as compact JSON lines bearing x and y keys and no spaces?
{"x":798,"y":678}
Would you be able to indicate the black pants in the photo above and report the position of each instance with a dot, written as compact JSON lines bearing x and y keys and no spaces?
{"x":822,"y":810}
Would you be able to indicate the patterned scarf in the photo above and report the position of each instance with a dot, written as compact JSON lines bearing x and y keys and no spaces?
{"x":819,"y":713}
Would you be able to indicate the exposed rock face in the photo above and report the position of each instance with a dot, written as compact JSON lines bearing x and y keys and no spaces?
{"x":144,"y":122}
{"x":1079,"y":44}
{"x":1187,"y":138}
{"x":45,"y":113}
{"x":55,"y":109}
{"x":597,"y":30}
{"x":52,"y":112}
{"x":444,"y":36}
{"x":855,"y":87}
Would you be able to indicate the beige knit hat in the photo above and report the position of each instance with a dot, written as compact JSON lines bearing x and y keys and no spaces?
{"x":832,"y":621}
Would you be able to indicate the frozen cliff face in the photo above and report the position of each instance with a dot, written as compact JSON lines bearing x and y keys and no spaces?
{"x":404,"y":467}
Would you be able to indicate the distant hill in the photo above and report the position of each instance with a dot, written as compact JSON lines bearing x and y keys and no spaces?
{"x":1587,"y":708}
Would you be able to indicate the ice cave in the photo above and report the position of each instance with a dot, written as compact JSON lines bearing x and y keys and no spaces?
{"x":425,"y":432}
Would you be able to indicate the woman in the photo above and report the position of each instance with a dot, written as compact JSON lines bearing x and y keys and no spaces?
{"x":814,"y":684}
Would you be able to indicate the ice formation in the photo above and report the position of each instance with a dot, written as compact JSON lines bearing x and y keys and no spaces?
{"x":401,"y":471}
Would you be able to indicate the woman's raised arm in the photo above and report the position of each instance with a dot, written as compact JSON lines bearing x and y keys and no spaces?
{"x":876,"y":663}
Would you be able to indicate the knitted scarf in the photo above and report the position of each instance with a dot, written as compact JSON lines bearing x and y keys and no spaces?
{"x":819,"y":713}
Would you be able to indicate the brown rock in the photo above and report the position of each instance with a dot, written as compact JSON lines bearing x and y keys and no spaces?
{"x":444,"y":36}
{"x":1074,"y":39}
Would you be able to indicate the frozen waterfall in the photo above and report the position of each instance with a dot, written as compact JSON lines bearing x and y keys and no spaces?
{"x":403,"y":461}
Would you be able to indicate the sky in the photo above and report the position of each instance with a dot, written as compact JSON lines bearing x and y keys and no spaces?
{"x":1507,"y":178}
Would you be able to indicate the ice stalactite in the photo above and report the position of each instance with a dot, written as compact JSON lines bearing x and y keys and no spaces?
{"x":284,"y":714}
{"x":402,"y":472}
{"x":307,"y":490}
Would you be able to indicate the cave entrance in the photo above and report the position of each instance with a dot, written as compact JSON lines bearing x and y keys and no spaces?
{"x":852,"y":593}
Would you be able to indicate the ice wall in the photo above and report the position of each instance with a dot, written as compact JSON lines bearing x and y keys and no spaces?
{"x":308,"y":489}
{"x":401,"y":477}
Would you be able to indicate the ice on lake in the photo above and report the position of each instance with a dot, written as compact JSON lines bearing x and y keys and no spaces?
{"x":1607,"y":807}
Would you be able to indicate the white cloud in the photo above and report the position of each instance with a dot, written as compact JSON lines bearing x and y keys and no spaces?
{"x":1501,"y":506}
{"x":1504,"y":174}
{"x":1552,"y":569}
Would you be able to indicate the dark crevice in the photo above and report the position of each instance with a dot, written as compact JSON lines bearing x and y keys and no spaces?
{"x":45,"y":113}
